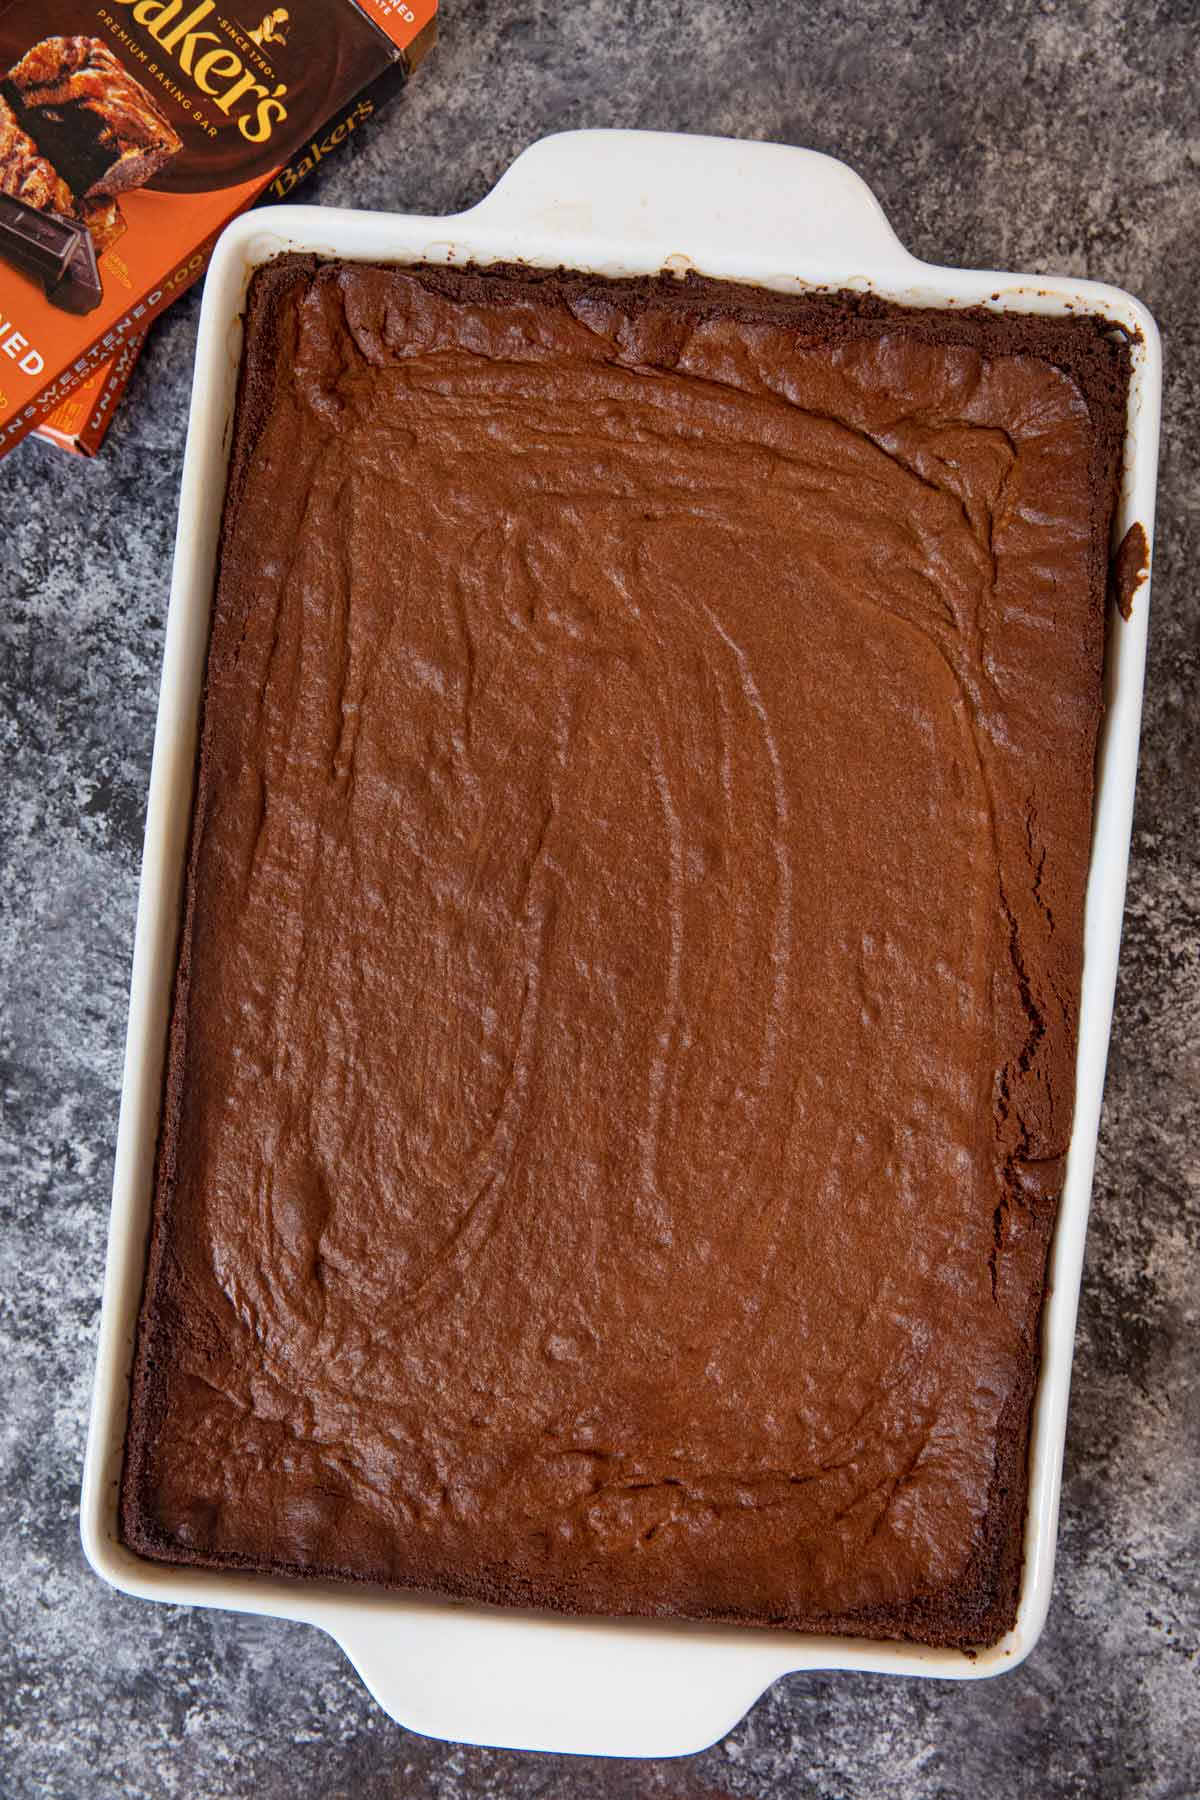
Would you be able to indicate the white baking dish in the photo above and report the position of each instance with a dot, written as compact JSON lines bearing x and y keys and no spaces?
{"x":616,"y":203}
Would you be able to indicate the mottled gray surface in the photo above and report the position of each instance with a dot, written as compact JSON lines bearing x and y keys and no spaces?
{"x":1061,"y":136}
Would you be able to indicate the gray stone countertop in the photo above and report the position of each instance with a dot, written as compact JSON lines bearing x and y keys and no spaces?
{"x":1058,"y":136}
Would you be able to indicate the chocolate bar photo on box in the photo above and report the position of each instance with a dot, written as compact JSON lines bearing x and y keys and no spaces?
{"x":76,"y":130}
{"x":51,"y":249}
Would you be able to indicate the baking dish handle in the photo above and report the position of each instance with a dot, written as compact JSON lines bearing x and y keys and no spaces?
{"x":566,"y":1685}
{"x":634,"y":187}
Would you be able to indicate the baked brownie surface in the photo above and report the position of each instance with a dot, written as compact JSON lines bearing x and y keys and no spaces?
{"x":622,"y":1050}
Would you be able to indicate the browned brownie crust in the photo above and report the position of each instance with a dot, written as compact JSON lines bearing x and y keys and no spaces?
{"x":623,"y":1040}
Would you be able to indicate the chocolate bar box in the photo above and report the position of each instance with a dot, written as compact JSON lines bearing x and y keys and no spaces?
{"x":131,"y":131}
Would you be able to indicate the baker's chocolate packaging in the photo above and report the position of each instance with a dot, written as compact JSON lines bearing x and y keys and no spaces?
{"x":78,"y":423}
{"x":131,"y":131}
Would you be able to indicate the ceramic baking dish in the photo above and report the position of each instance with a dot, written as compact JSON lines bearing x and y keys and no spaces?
{"x":617,"y":203}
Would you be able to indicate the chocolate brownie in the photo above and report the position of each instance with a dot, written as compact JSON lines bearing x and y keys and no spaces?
{"x":622,"y":1052}
{"x":25,"y":174}
{"x":100,"y":127}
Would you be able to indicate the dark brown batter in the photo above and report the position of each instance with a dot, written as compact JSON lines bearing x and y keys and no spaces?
{"x":623,"y":1047}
